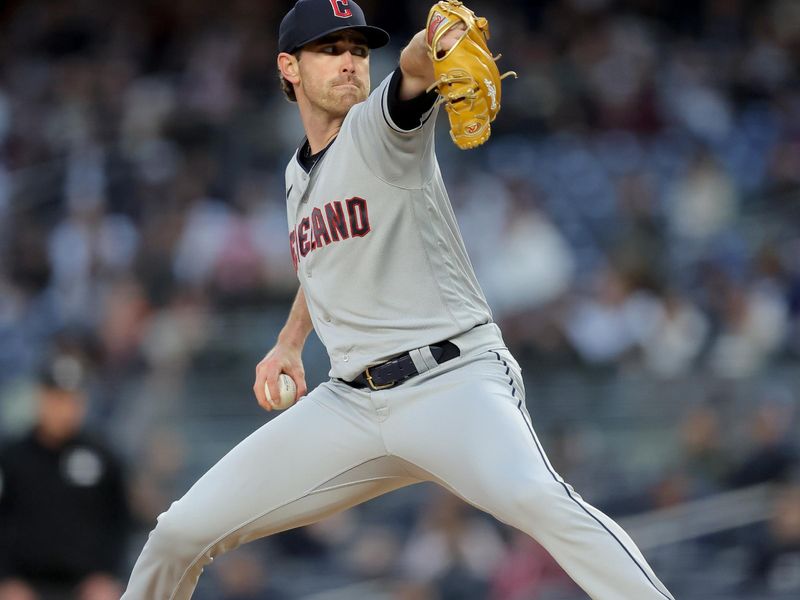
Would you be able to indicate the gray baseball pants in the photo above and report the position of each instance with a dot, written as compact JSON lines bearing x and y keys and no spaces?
{"x":462,"y":424}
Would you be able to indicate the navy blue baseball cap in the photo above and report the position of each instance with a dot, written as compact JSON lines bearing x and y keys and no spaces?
{"x":311,"y":20}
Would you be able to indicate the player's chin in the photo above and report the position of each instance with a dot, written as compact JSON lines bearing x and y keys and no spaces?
{"x":343,"y":105}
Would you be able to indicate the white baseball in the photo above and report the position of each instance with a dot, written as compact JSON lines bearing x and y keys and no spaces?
{"x":286,"y":392}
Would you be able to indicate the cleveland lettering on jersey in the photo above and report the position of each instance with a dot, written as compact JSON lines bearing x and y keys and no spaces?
{"x":335,"y":222}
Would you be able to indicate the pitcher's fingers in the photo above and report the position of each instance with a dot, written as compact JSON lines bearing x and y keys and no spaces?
{"x":302,"y":388}
{"x":258,"y":385}
{"x":261,"y":396}
{"x":263,"y":375}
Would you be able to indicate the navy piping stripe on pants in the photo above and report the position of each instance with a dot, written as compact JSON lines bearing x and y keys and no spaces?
{"x":558,"y":479}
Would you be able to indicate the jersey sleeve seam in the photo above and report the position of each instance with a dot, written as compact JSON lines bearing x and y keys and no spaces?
{"x":423,"y":183}
{"x":422,"y":186}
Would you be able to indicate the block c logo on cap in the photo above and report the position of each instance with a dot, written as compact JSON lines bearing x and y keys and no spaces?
{"x":340,"y":8}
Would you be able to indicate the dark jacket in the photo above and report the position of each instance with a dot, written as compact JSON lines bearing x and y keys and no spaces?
{"x":63,"y":512}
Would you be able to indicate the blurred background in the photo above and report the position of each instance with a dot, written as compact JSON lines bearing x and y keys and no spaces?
{"x":634,"y":221}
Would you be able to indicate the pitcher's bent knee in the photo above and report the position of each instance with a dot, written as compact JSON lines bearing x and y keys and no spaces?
{"x":175,"y":537}
{"x":173,"y":558}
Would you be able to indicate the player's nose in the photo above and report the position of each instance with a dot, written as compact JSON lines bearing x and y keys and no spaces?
{"x":348,"y":62}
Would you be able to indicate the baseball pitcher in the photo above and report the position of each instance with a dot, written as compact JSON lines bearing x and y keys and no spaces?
{"x":422,"y":386}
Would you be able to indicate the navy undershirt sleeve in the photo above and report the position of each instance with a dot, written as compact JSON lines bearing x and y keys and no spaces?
{"x":407,"y":114}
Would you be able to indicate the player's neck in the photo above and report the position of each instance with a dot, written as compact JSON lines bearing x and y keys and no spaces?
{"x":321,"y":128}
{"x":321,"y":142}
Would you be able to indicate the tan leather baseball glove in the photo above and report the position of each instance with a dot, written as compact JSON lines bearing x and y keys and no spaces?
{"x":467,"y":78}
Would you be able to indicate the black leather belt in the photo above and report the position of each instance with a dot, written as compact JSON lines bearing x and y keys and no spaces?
{"x":401,"y":368}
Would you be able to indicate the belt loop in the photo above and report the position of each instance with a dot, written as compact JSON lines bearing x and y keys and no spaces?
{"x":427,"y":356}
{"x":418,"y":360}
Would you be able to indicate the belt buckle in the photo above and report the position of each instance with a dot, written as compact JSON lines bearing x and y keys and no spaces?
{"x":374,"y":386}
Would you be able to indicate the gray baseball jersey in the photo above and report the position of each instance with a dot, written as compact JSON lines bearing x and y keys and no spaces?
{"x":384,"y":272}
{"x":376,"y":245}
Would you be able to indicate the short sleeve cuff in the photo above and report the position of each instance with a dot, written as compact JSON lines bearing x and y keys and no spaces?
{"x":406,"y":115}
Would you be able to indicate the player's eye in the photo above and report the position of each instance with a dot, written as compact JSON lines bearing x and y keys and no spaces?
{"x":337,"y":49}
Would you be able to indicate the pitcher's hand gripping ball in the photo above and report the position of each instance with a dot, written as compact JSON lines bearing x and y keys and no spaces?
{"x":287,"y":392}
{"x":467,"y":78}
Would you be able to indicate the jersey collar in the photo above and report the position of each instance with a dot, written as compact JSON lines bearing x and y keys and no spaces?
{"x":308,"y":161}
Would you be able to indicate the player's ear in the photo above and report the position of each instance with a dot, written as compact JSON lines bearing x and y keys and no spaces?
{"x":287,"y":65}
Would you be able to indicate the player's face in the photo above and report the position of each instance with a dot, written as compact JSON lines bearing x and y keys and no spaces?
{"x":334,"y":72}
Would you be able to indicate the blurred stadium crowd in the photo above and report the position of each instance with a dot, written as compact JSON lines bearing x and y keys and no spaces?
{"x":634,"y":218}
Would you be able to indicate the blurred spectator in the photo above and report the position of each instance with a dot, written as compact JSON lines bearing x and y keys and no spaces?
{"x":703,"y":202}
{"x":676,"y":338}
{"x":704,"y":458}
{"x":608,"y":326}
{"x":772,"y":455}
{"x":373,"y":552}
{"x":453,"y":548}
{"x":672,"y":489}
{"x":527,"y":572}
{"x":531,"y":266}
{"x":753,"y":328}
{"x":776,"y":555}
{"x":243,"y":575}
{"x":63,"y":509}
{"x":156,"y":475}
